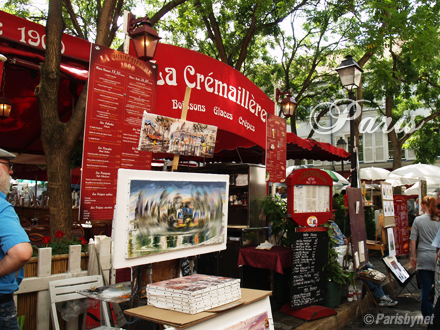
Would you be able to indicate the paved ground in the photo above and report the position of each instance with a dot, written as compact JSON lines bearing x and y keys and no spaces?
{"x":405,"y":315}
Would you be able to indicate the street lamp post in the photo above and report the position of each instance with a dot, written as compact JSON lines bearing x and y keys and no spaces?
{"x":342,"y":144}
{"x":350,"y":74}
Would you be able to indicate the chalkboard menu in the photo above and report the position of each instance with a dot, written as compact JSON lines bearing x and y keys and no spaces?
{"x":309,"y":281}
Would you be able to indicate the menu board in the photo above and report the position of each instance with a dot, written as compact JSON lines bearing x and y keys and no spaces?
{"x":309,"y":281}
{"x":120,"y":89}
{"x":387,"y":204}
{"x":307,"y":198}
{"x":276,"y":149}
{"x":401,"y":230}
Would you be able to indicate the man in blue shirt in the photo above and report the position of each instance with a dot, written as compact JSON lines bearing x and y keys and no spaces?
{"x":15,"y":249}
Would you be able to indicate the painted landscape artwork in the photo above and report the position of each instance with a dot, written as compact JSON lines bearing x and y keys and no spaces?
{"x":168,"y":215}
{"x":177,"y":136}
{"x":258,"y":322}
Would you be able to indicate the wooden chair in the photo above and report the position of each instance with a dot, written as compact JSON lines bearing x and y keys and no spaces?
{"x":40,"y":229}
{"x":99,"y":228}
{"x":36,"y":239}
{"x":26,"y":224}
{"x":77,"y":230}
{"x":66,"y":290}
{"x":44,"y":220}
{"x":382,"y":243}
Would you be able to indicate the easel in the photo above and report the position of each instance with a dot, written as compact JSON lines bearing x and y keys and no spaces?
{"x":379,"y":245}
{"x":139,"y":279}
{"x":175,"y":164}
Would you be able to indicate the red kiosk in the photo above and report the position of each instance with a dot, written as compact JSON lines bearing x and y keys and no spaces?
{"x":309,"y":204}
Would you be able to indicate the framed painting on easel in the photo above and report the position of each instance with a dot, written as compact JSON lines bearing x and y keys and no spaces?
{"x":162,"y":216}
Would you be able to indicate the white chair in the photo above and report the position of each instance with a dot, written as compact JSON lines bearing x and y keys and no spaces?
{"x":66,"y":290}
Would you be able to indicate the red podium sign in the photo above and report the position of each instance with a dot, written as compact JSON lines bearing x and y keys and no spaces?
{"x":276,"y":149}
{"x":309,"y":197}
{"x":401,"y":230}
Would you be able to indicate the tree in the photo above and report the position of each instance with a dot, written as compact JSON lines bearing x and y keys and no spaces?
{"x":234,"y":32}
{"x":59,"y":139}
{"x":404,"y":72}
{"x":426,"y":142}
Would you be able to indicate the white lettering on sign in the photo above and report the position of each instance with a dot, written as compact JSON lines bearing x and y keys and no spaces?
{"x":246,"y":124}
{"x":191,"y":106}
{"x":222,"y":113}
{"x":34,"y":39}
{"x":200,"y":81}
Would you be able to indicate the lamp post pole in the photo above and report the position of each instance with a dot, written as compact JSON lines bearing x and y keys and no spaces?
{"x":353,"y":150}
{"x":350,"y":74}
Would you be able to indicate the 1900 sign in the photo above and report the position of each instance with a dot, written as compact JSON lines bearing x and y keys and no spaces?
{"x":309,"y":281}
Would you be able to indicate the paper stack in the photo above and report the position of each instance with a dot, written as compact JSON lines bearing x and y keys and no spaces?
{"x":193,"y":294}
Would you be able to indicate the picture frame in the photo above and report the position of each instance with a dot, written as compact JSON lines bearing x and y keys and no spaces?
{"x":168,"y":215}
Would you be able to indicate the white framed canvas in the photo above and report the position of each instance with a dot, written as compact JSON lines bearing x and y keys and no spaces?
{"x":168,"y":215}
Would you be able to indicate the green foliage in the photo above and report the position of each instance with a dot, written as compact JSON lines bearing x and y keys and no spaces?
{"x":61,"y":246}
{"x":426,"y":143}
{"x":334,"y":270}
{"x":281,"y":227}
{"x":341,"y":218}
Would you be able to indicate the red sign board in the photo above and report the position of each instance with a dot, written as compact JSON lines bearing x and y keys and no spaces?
{"x":33,"y":35}
{"x":309,"y":197}
{"x":401,"y":229}
{"x":221,"y":96}
{"x":120,"y":88}
{"x":276,"y":149}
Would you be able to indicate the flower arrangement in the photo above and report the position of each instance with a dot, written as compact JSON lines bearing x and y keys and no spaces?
{"x":61,"y":246}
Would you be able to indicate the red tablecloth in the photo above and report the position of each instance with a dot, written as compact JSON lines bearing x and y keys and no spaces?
{"x":275,"y":259}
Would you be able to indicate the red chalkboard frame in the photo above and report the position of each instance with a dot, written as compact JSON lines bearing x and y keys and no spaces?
{"x":308,"y":176}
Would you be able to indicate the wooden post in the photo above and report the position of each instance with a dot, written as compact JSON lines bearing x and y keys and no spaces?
{"x":183,"y":116}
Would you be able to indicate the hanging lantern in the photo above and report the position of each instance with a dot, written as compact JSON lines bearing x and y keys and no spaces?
{"x":288,"y":104}
{"x":5,"y":107}
{"x":143,"y":37}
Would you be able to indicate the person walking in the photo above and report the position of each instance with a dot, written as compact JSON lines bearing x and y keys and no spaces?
{"x":423,"y":232}
{"x":15,"y":248}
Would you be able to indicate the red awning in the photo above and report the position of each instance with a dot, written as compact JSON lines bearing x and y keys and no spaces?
{"x":299,"y":148}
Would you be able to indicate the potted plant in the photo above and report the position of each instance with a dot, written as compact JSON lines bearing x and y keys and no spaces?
{"x":281,"y":228}
{"x":337,"y":276}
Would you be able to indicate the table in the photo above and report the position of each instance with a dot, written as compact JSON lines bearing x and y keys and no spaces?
{"x":251,"y":301}
{"x":275,"y":259}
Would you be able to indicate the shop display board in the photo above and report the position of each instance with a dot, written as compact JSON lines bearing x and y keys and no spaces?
{"x":168,"y":215}
{"x":387,"y":204}
{"x":309,"y":280}
{"x":276,"y":149}
{"x":401,"y":229}
{"x":120,"y":89}
{"x":309,"y":197}
{"x":357,"y":226}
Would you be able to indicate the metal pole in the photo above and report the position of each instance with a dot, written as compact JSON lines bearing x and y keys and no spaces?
{"x":352,"y":141}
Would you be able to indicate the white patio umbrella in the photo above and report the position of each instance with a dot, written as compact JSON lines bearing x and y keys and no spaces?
{"x":412,"y":173}
{"x":414,"y":190}
{"x":373,"y":173}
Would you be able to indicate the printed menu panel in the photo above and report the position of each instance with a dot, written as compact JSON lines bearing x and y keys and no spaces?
{"x":308,"y":198}
{"x":309,"y":281}
{"x":120,"y":89}
{"x":276,"y":149}
{"x":401,"y":230}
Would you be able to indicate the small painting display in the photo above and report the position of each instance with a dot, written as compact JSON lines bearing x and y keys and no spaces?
{"x":168,"y":215}
{"x":177,"y":136}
